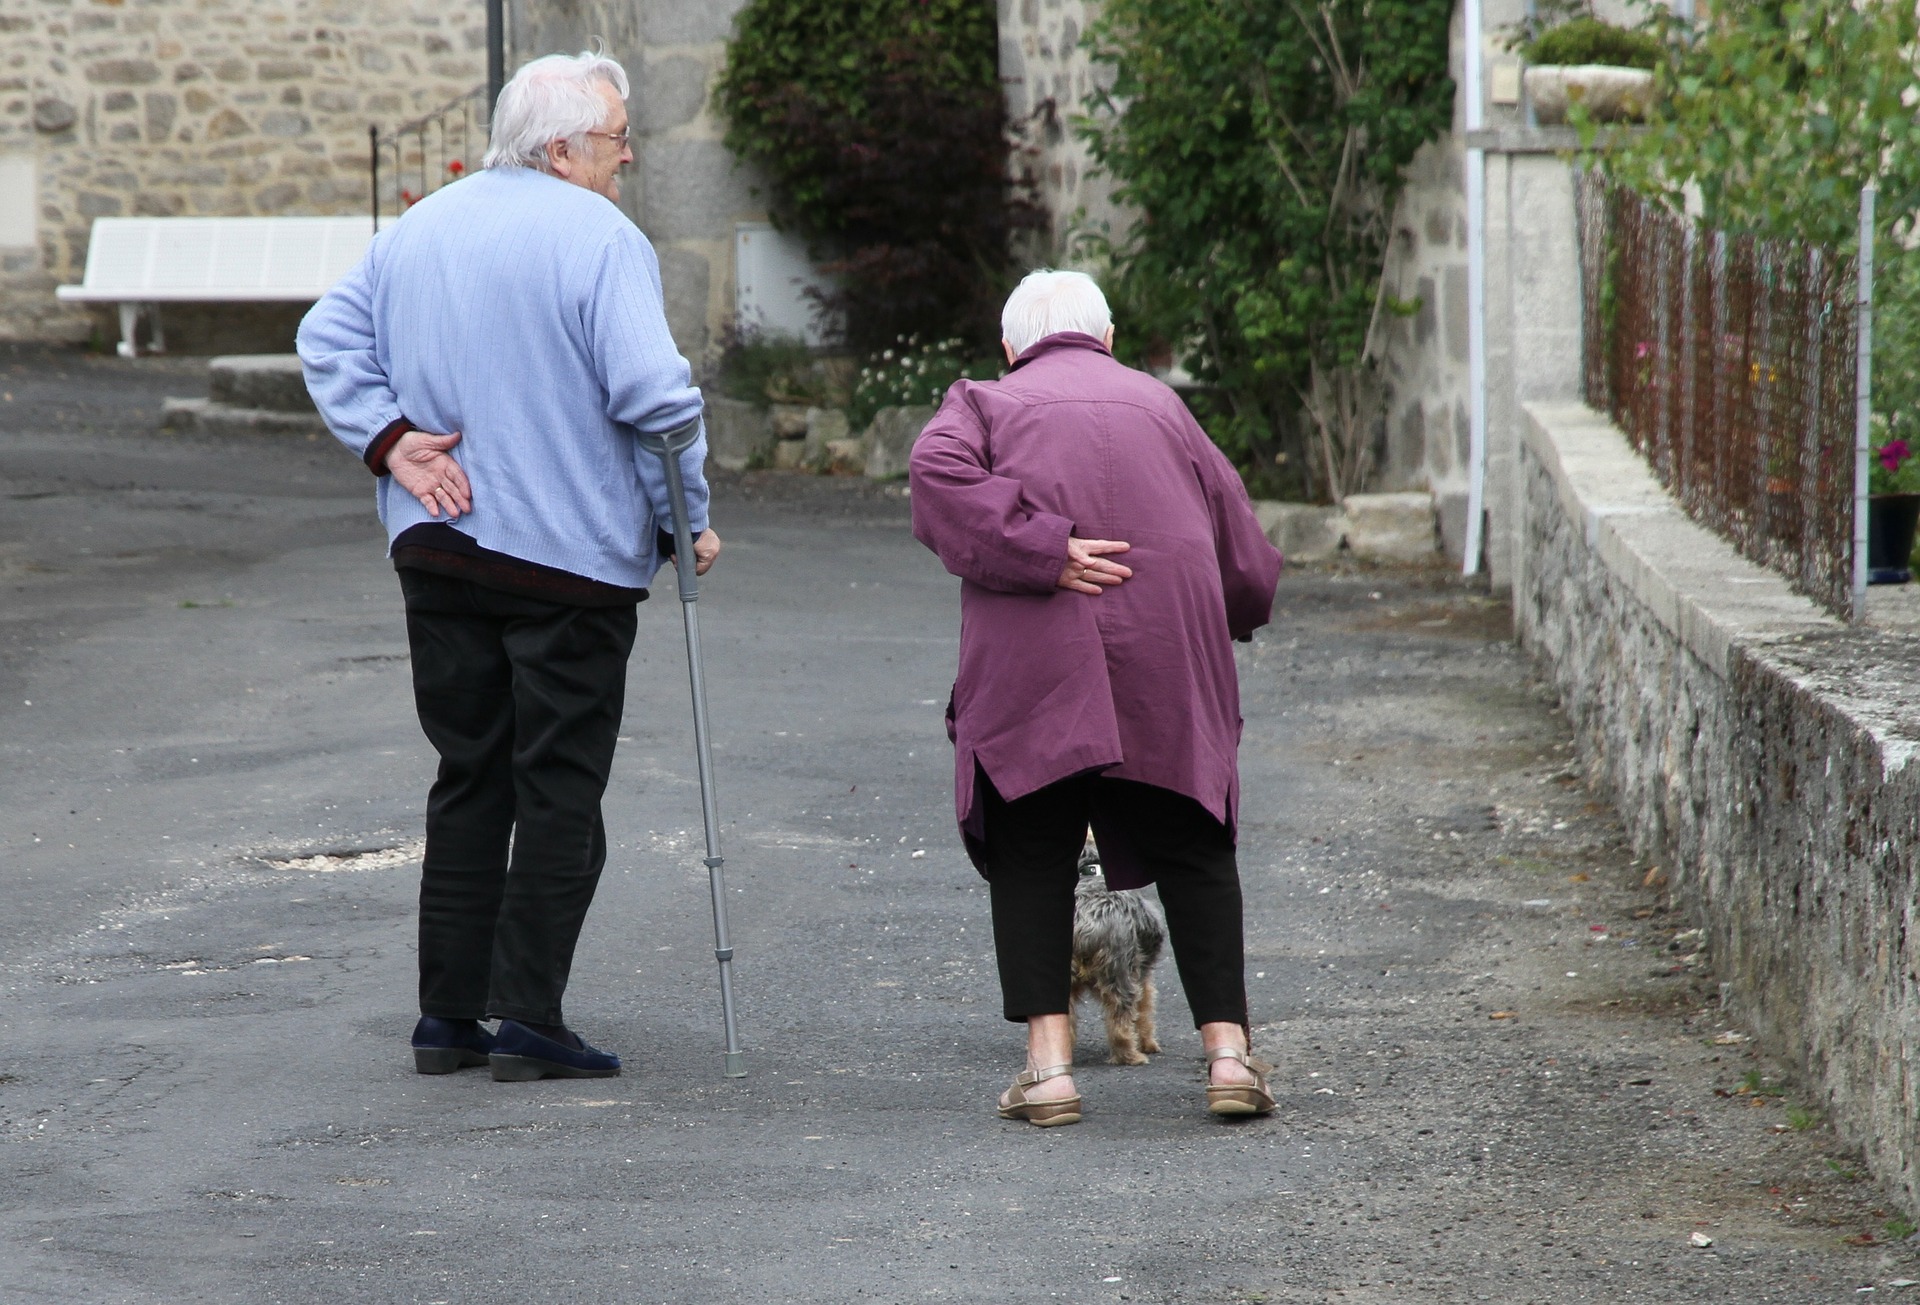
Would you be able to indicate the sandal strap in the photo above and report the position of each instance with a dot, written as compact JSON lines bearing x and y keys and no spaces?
{"x":1028,"y":1077}
{"x":1259,"y":1068}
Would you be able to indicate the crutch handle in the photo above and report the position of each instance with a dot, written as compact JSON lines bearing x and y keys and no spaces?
{"x":668,"y":447}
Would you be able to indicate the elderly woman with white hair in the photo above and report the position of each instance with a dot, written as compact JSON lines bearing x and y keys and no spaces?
{"x":491,"y":361}
{"x":1094,"y":691}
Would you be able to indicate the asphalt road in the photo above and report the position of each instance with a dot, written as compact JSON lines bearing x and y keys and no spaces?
{"x":1504,"y":1074}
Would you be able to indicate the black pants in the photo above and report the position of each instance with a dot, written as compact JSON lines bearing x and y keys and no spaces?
{"x":1033,"y":849}
{"x":522,"y":700}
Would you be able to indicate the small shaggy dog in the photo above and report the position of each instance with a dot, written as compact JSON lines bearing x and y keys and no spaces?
{"x":1117,"y":937}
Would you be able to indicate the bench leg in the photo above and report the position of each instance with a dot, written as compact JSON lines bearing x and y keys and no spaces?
{"x":157,"y":329}
{"x":129,"y":321}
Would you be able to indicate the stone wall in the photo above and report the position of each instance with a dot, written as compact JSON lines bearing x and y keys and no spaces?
{"x":216,"y":107}
{"x":1049,"y":79}
{"x":685,"y":190}
{"x":1760,"y":753}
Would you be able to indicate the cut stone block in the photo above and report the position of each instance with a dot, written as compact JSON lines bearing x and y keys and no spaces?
{"x":847,"y":457}
{"x":739,"y":434}
{"x":787,"y":454}
{"x":890,"y":439}
{"x":824,"y":426}
{"x":789,"y":420}
{"x":1392,"y":527}
{"x":1302,"y":532}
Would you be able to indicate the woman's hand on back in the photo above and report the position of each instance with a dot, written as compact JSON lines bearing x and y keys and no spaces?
{"x":1087,"y":570}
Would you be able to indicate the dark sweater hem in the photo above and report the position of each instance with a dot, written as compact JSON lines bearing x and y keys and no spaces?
{"x":439,"y":549}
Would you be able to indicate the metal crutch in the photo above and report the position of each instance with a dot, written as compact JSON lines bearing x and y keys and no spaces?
{"x":668,"y":448}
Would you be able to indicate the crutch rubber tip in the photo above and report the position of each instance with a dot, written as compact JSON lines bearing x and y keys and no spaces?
{"x":736,"y":1064}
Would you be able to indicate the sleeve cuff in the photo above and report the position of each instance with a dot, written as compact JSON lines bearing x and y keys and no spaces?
{"x":382,"y":444}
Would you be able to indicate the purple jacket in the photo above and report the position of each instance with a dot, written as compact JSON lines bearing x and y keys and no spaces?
{"x":1139,"y":682}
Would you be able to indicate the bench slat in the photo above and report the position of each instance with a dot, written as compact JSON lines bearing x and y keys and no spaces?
{"x":213,"y":260}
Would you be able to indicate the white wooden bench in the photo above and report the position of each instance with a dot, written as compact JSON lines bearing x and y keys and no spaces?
{"x":141,"y":263}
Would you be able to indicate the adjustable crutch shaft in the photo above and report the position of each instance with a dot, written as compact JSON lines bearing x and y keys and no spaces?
{"x":669,"y":447}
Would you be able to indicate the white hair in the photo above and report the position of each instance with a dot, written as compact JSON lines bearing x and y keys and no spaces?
{"x":552,"y":98}
{"x":1049,"y":302}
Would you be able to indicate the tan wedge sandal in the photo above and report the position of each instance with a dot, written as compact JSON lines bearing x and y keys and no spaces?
{"x":1253,"y":1098}
{"x":1045,"y":1114}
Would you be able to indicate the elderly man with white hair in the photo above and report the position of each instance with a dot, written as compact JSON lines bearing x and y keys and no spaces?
{"x":492,"y":361}
{"x":1092,"y":691}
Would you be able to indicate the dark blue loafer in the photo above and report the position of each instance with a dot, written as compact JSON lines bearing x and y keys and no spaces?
{"x":521,"y":1055}
{"x":442,"y":1046}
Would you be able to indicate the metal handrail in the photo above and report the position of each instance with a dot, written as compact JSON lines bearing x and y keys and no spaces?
{"x":445,"y":138}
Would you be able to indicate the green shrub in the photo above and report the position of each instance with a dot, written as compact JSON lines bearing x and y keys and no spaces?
{"x":911,"y":374}
{"x":1590,"y":40}
{"x":1264,"y":144}
{"x":1896,"y":345}
{"x":1769,"y":118}
{"x":759,"y":367}
{"x":882,"y":126}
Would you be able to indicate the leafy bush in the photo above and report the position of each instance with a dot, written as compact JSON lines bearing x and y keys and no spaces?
{"x":883,"y":127}
{"x":911,"y":373}
{"x":1896,"y":346}
{"x":1776,"y":115}
{"x":758,"y":367}
{"x":1264,"y":144}
{"x":1589,"y":40}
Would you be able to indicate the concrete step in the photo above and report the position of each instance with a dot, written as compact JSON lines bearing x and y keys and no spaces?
{"x":269,"y":381}
{"x":205,"y":417}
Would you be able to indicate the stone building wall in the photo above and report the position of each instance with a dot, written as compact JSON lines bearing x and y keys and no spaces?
{"x":685,"y":190}
{"x":201,"y":107}
{"x":1049,"y":79}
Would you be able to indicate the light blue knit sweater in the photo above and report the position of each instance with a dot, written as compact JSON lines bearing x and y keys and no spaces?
{"x":525,"y":313}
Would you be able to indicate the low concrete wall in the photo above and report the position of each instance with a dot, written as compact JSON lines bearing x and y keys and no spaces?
{"x":1758,"y":747}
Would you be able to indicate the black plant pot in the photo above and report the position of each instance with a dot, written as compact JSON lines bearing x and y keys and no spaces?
{"x":1890,"y":523}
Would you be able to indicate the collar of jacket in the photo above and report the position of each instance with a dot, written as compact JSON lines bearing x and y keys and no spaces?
{"x":1055,"y":343}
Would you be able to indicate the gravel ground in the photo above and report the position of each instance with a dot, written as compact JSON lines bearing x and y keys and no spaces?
{"x":1504,"y":1071}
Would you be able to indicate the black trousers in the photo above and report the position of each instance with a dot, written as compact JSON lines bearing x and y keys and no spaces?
{"x":522,"y":700}
{"x":1033,"y":850}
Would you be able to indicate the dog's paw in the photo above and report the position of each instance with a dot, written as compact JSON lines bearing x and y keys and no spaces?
{"x":1128,"y":1058}
{"x":1151,"y":1046}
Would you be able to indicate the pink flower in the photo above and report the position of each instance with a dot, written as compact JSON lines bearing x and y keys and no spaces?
{"x":1892,"y":454}
{"x":1643,"y":349}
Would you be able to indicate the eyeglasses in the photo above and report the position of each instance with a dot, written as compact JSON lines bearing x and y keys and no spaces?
{"x":619,"y":138}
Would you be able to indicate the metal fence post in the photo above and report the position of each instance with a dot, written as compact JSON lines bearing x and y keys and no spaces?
{"x":373,"y":169}
{"x":496,"y":53}
{"x":1862,"y":400}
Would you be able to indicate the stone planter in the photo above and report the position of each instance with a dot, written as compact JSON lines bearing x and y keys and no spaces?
{"x":1609,"y":94}
{"x":1890,"y":525}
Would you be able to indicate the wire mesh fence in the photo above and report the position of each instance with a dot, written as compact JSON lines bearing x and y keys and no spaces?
{"x":1729,"y":362}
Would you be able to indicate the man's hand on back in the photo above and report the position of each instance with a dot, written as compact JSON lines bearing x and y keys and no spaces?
{"x":420,"y":464}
